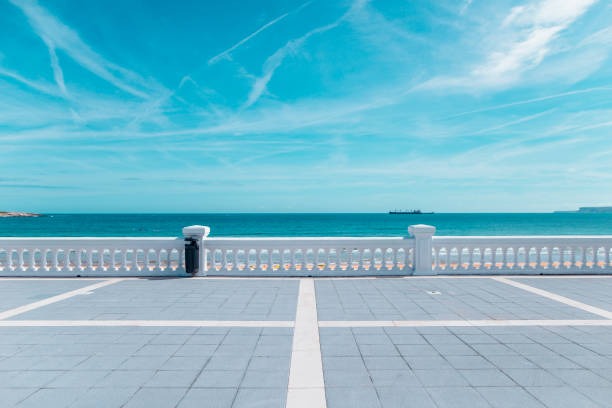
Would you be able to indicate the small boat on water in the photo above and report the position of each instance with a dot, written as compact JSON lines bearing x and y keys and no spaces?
{"x":411,"y":212}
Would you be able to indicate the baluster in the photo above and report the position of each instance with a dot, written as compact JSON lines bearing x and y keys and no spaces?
{"x":9,"y":259}
{"x":292,"y":259}
{"x":471,"y":257}
{"x":79,"y":262}
{"x":55,"y":260}
{"x":436,"y":258}
{"x":66,"y":265}
{"x":504,"y":262}
{"x":607,"y":257}
{"x":257,"y":259}
{"x":105,"y":267}
{"x":43,"y":259}
{"x":20,"y":259}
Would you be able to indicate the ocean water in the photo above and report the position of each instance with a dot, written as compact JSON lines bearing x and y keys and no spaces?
{"x":125,"y":225}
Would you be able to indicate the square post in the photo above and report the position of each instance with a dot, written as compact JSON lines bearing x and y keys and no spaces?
{"x":423,"y":240}
{"x":199,"y":233}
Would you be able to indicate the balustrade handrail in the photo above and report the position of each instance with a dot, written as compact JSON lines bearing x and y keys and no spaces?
{"x":522,"y":239}
{"x":420,"y":252}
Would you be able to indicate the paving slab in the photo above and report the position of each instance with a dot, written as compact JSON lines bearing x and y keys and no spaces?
{"x":435,"y":299}
{"x":539,"y":367}
{"x":592,"y":291}
{"x":179,"y":299}
{"x":15,"y":293}
{"x":45,"y":371}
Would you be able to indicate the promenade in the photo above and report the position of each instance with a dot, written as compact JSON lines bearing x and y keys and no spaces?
{"x":438,"y":341}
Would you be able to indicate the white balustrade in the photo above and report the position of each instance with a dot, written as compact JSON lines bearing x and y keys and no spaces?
{"x":521,"y":254}
{"x":92,"y":256}
{"x":325,"y":256}
{"x":420,"y":253}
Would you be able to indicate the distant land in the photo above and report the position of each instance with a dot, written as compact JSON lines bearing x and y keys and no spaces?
{"x":589,"y":210}
{"x":6,"y":214}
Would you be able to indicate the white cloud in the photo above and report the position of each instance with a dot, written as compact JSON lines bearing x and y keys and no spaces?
{"x":58,"y":74}
{"x":57,"y":35}
{"x":227,"y":53}
{"x":523,"y":41}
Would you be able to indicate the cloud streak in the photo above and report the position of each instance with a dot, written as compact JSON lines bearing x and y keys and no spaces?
{"x":226,"y":54}
{"x":57,"y":35}
{"x":524,"y":39}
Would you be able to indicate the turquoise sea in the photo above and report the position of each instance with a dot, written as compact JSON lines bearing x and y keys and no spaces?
{"x":124,"y":225}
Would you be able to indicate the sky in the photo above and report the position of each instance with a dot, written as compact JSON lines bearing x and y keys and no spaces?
{"x":305,"y":106}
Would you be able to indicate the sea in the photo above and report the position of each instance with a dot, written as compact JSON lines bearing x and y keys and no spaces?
{"x":308,"y":225}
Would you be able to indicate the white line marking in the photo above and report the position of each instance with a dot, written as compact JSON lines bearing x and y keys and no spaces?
{"x":461,"y":323}
{"x":327,"y":323}
{"x":306,"y":385}
{"x":53,"y":299}
{"x":146,"y":323}
{"x":558,"y":298}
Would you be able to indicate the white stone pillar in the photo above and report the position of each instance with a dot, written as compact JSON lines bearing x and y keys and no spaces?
{"x":200,"y":233}
{"x":422,"y":235}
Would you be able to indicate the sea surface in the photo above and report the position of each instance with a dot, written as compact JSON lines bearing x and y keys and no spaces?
{"x":126,"y":225}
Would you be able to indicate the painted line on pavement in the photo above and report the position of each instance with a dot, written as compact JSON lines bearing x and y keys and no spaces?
{"x":44,"y":302}
{"x":461,"y":323}
{"x":306,"y":384}
{"x":558,"y":298}
{"x":145,"y":323}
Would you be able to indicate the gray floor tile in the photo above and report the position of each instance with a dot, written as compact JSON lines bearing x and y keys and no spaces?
{"x":533,"y":377}
{"x":487,"y":378}
{"x":455,"y":397}
{"x":352,"y":397}
{"x":178,"y":378}
{"x":394,"y":378}
{"x":156,"y":398}
{"x":111,"y":397}
{"x":440,"y":378}
{"x":399,"y":397}
{"x":561,"y":397}
{"x":260,"y":398}
{"x":208,"y":398}
{"x":51,"y":397}
{"x":344,"y":378}
{"x":509,"y":397}
{"x":262,"y":379}
{"x":219,"y":378}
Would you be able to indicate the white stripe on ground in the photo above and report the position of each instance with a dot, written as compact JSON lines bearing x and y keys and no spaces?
{"x":558,"y":298}
{"x":35,"y":305}
{"x":460,"y":323}
{"x":327,"y":323}
{"x":306,"y":385}
{"x":146,"y":323}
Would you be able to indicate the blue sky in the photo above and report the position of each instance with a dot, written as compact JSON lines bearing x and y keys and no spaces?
{"x":291,"y":106}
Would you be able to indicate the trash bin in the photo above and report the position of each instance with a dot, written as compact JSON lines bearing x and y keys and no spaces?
{"x":191,"y":255}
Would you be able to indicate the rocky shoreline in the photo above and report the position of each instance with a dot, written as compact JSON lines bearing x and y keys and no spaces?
{"x":6,"y":214}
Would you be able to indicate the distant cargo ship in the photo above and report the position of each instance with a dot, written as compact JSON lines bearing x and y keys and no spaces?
{"x":411,"y":212}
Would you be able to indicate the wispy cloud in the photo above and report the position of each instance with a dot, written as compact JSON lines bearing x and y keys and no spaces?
{"x":533,"y":100}
{"x":226,"y":54}
{"x":48,"y":89}
{"x":57,"y":35}
{"x":291,"y":47}
{"x":275,"y":60}
{"x":522,"y":42}
{"x":58,"y":74}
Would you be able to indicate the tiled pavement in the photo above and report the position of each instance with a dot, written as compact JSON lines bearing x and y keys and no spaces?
{"x":144,"y":366}
{"x":173,"y":351}
{"x":180,"y":299}
{"x":434,"y":299}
